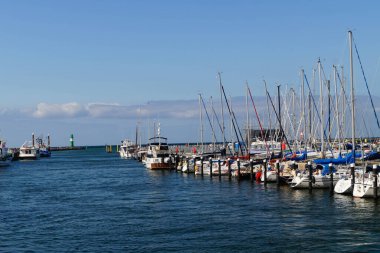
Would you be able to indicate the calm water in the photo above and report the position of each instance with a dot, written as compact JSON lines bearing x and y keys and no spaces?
{"x":92,"y":201}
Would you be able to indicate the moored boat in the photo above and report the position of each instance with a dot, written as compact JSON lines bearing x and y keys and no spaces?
{"x":127,"y":149}
{"x":5,"y":156}
{"x":158,"y":154}
{"x":28,"y":151}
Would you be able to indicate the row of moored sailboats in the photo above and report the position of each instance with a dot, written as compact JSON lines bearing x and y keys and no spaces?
{"x":303,"y":162}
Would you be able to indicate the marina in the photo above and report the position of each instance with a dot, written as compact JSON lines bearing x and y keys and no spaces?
{"x":189,"y":126}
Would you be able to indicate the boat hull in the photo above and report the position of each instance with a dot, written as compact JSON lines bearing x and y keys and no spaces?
{"x":343,"y":186}
{"x":158,"y":164}
{"x":318,"y":182}
{"x":365,"y":190}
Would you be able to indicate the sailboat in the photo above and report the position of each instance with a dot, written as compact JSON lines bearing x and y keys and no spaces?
{"x":361,"y":184}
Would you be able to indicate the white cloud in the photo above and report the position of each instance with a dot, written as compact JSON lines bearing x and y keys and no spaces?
{"x":68,"y":110}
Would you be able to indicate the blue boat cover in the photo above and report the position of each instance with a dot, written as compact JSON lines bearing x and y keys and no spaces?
{"x":347,"y":159}
{"x":326,"y":169}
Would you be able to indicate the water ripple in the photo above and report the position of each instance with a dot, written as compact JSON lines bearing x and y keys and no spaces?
{"x":91,"y":201}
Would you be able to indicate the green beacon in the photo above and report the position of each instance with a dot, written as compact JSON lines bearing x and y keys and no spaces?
{"x":71,"y":140}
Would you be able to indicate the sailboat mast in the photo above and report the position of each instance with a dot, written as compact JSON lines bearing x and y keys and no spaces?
{"x":329,"y":109}
{"x":337,"y":108}
{"x":352,"y":96}
{"x":231,"y":123}
{"x":212,"y":125}
{"x":248,"y":125}
{"x":312,"y":127}
{"x":303,"y":106}
{"x":201,"y":121}
{"x":279,"y":117}
{"x":137,"y":131}
{"x":271,"y":134}
{"x":321,"y":104}
{"x":221,"y":107}
{"x":343,"y":104}
{"x":310,"y":119}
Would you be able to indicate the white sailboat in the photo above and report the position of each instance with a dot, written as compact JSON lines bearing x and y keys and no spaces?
{"x":344,"y":185}
{"x":364,"y":185}
{"x":319,"y":181}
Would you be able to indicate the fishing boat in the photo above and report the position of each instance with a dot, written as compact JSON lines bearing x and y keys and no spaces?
{"x":44,"y":148}
{"x":158,"y":154}
{"x":127,"y":149}
{"x":28,"y":151}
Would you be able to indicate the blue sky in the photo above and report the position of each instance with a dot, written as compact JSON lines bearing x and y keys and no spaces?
{"x":85,"y":67}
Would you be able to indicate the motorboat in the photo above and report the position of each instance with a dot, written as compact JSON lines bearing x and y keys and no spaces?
{"x":158,"y":154}
{"x":127,"y":149}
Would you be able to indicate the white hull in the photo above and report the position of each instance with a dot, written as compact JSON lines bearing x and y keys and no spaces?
{"x":157,"y":163}
{"x":343,"y":186}
{"x":127,"y":149}
{"x":125,"y":155}
{"x":214,"y":169}
{"x":365,"y":189}
{"x":28,"y":157}
{"x":318,"y":182}
{"x":271,"y":176}
{"x":29,"y":152}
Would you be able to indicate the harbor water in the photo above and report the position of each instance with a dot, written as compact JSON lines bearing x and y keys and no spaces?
{"x":93,"y":201}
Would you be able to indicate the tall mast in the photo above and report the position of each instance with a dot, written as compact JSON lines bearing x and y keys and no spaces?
{"x":343,"y":103}
{"x":231,"y":122}
{"x":303,"y":106}
{"x":310,"y":117}
{"x":312,"y":127}
{"x":271,"y":134}
{"x":321,"y":104}
{"x":201,"y":121}
{"x":221,"y":107}
{"x":248,"y":125}
{"x":212,"y":124}
{"x":136,"y":134}
{"x":352,"y":96}
{"x":329,"y":110}
{"x":279,"y":117}
{"x":337,"y":108}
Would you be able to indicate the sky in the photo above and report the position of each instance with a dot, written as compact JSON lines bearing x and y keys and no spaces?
{"x":97,"y":69}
